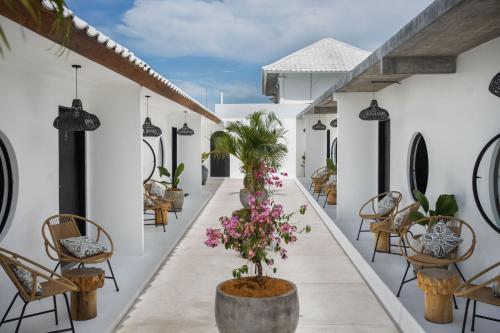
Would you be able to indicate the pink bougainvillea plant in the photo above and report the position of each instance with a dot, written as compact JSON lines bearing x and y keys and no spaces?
{"x":260,"y":231}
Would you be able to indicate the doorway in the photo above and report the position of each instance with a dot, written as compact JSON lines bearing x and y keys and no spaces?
{"x":384,"y":156}
{"x":72,"y":169}
{"x":219,"y":167}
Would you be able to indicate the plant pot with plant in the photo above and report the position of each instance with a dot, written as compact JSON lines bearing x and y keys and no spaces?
{"x":173,"y":192}
{"x":258,"y":303}
{"x":204,"y":169}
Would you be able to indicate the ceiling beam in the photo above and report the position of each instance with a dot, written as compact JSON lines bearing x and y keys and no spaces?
{"x":418,"y":65}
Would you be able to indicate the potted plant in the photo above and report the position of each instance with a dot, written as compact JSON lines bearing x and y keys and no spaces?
{"x":173,"y":192}
{"x":204,"y":170}
{"x":446,"y":205}
{"x":255,"y":140}
{"x":258,"y":303}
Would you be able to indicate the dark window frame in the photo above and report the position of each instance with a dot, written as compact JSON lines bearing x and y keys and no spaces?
{"x":418,"y":143}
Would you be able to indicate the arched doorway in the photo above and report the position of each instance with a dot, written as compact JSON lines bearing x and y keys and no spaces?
{"x":219,"y":167}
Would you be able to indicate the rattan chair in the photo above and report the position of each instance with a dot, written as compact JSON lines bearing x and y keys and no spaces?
{"x":163,"y":201}
{"x":330,"y":189}
{"x":158,"y":206}
{"x":51,"y":287}
{"x":369,"y":210}
{"x":316,"y":175}
{"x":64,"y":226}
{"x":420,"y":259}
{"x":479,"y":293}
{"x":320,"y":183}
{"x":387,"y":226}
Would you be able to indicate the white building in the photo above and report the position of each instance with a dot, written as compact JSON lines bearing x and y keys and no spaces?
{"x":293,"y":83}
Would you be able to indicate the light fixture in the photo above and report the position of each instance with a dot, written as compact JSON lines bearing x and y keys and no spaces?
{"x":185,"y":130}
{"x":374,"y":112}
{"x":148,"y":129}
{"x":319,"y":126}
{"x":494,"y":87}
{"x":333,"y":123}
{"x":76,"y":119}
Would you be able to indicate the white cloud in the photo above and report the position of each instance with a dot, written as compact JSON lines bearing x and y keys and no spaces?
{"x":257,"y":31}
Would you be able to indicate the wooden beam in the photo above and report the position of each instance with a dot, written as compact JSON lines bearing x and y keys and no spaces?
{"x":418,"y":65}
{"x":89,"y":48}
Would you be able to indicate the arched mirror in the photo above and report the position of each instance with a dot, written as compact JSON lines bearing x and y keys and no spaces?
{"x":333,"y":151}
{"x":418,"y":172}
{"x":486,"y":182}
{"x":8,"y":185}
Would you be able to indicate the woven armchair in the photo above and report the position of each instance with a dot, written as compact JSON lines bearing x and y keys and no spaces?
{"x":481,"y":292}
{"x":368,"y":210}
{"x":320,"y":183}
{"x":51,"y":287}
{"x":64,"y":226}
{"x":330,"y":189}
{"x":164,"y":202}
{"x":158,"y":206}
{"x":387,"y":226}
{"x":420,"y":259}
{"x":316,"y":175}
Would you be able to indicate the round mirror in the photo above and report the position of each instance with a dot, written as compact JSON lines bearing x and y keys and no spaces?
{"x":333,"y":151}
{"x":418,"y":165}
{"x":486,"y":182}
{"x":153,"y":156}
{"x":8,"y":185}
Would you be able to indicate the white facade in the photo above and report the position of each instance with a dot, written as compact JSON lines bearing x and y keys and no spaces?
{"x":303,"y":88}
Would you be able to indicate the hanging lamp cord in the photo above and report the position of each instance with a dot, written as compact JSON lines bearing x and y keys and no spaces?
{"x":76,"y":82}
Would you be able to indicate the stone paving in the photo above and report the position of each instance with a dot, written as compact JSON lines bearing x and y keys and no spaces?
{"x":333,"y":296}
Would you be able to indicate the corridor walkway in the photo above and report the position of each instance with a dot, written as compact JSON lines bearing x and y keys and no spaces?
{"x":333,"y":296}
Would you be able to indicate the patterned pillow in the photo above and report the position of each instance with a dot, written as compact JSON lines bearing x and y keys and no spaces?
{"x":26,"y":278}
{"x":440,"y":240}
{"x":400,"y":219}
{"x":82,"y":247}
{"x":386,"y":205}
{"x":157,"y":190}
{"x":332,"y":179}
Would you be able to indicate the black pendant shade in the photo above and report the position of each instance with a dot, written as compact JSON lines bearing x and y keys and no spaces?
{"x":148,"y":129}
{"x":319,"y":126}
{"x":76,"y":119}
{"x":333,"y":123}
{"x":185,"y":130}
{"x":374,"y":112}
{"x":494,"y":87}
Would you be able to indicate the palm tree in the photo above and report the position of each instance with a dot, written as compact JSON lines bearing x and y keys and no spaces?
{"x":32,"y":8}
{"x":255,"y":140}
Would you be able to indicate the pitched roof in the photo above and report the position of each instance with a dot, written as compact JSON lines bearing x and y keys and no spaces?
{"x":325,"y":55}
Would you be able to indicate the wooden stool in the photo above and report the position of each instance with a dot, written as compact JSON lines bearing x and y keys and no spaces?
{"x":384,"y":240}
{"x":161,"y":215}
{"x":438,"y":286}
{"x":84,"y":301}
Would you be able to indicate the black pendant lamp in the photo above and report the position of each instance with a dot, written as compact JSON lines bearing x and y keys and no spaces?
{"x":185,"y":130}
{"x":333,"y":123}
{"x":494,"y":87}
{"x":76,"y":119}
{"x":319,"y":126}
{"x":374,"y":112}
{"x":148,"y":129}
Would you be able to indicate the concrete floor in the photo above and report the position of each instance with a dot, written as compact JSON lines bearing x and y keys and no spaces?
{"x":333,"y":296}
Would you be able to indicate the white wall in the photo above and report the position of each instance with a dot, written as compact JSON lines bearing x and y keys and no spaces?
{"x":114,"y":161}
{"x":316,"y":142}
{"x":456,"y":114}
{"x":300,"y":145}
{"x":305,"y":87}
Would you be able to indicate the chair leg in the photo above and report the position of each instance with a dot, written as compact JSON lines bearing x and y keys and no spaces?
{"x":375,"y":248}
{"x":403,"y":280}
{"x":8,"y":309}
{"x":162,"y":219}
{"x":55,"y":269}
{"x":175,"y":211}
{"x":404,"y":246}
{"x":359,"y":231}
{"x":465,"y":314}
{"x":473,"y":315}
{"x":21,"y":317}
{"x":459,"y":272}
{"x":113,"y":275}
{"x":326,"y":199}
{"x":455,"y":302}
{"x":55,"y":309}
{"x":69,"y":313}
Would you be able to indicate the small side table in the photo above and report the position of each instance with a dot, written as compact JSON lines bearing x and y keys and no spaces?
{"x":84,"y":301}
{"x":438,"y":286}
{"x":384,"y":240}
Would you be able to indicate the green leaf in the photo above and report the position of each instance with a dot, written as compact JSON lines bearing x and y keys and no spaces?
{"x":422,"y":199}
{"x":163,"y":171}
{"x":415,"y":216}
{"x":308,"y":228}
{"x":446,"y":205}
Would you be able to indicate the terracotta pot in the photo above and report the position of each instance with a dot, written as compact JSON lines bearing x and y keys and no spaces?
{"x":244,"y":193}
{"x":237,"y":314}
{"x":177,"y":196}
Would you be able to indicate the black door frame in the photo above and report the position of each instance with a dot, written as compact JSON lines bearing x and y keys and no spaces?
{"x":384,"y":156}
{"x":219,"y":167}
{"x":174,"y":150}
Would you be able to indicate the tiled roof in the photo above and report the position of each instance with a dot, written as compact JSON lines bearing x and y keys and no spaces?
{"x":101,"y":38}
{"x":325,"y":55}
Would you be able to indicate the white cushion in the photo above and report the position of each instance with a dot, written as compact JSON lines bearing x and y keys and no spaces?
{"x":386,"y":205}
{"x":158,"y":190}
{"x":82,"y":247}
{"x":400,"y":219}
{"x":26,"y":278}
{"x":332,"y":179}
{"x":440,"y":240}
